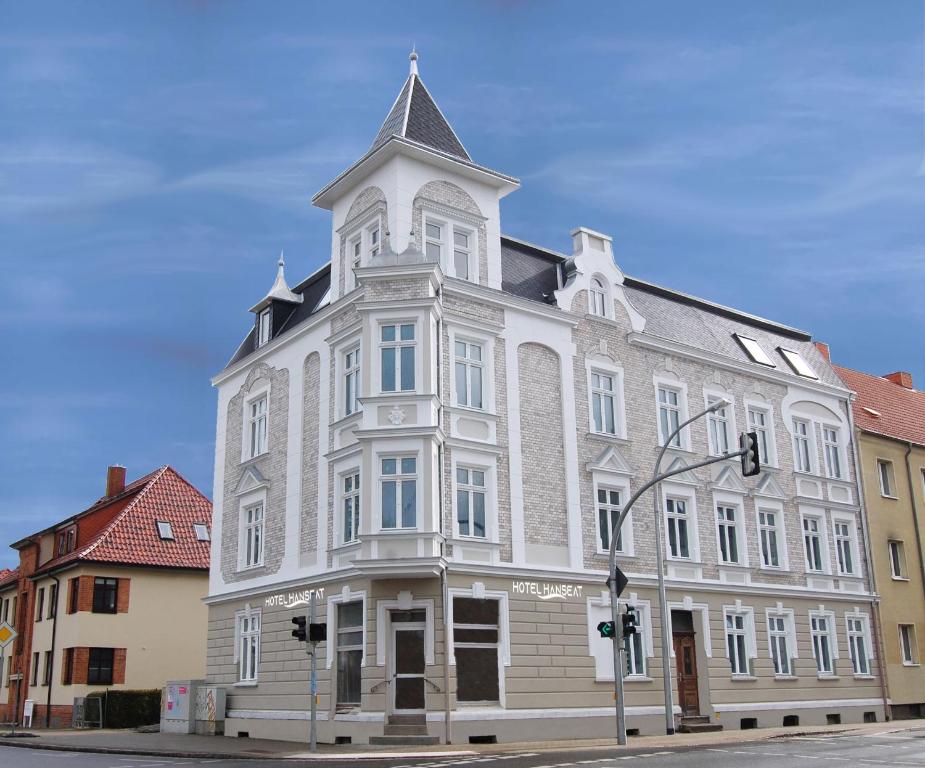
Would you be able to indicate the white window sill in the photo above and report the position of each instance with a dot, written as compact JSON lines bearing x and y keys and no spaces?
{"x":773,"y":568}
{"x":899,"y":578}
{"x":637,"y":679}
{"x":722,"y":564}
{"x":618,"y":553}
{"x":827,"y":676}
{"x":786,"y":678}
{"x":911,"y":664}
{"x":246,"y":684}
{"x":889,"y":496}
{"x":865,"y":677}
{"x":397,"y":531}
{"x":346,"y":545}
{"x":249,"y":459}
{"x":743,"y":678}
{"x":248,"y":568}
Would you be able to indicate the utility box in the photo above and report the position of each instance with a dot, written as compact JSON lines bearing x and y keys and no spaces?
{"x":178,"y":706}
{"x":210,"y":710}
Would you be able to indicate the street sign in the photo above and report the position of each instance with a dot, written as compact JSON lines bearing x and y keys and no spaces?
{"x":622,"y":581}
{"x":7,"y":634}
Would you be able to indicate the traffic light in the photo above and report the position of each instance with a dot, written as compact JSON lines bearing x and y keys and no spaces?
{"x":751,"y":459}
{"x":630,"y":621}
{"x":317,"y":633}
{"x":607,"y":629}
{"x":299,"y":632}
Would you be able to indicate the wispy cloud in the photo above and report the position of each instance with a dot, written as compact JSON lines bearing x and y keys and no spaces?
{"x":37,"y":301}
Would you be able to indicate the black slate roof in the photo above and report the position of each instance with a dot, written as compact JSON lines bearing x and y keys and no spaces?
{"x":416,"y":116}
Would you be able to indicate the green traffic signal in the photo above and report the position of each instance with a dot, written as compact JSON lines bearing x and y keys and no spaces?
{"x":607,"y":629}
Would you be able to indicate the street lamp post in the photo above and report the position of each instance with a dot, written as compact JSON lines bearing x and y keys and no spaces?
{"x":662,"y":594}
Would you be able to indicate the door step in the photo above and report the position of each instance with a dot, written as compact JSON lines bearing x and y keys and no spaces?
{"x":698,"y":724}
{"x":410,"y":740}
{"x":405,"y":730}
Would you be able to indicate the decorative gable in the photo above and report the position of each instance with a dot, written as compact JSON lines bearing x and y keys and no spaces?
{"x":611,"y":460}
{"x":251,"y":480}
{"x":728,"y":479}
{"x":683,"y":477}
{"x":768,"y":486}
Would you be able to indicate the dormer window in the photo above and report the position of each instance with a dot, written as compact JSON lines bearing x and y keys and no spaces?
{"x":263,"y":327}
{"x":754,"y":350}
{"x":597,"y":303}
{"x":374,"y":241}
{"x":434,"y":241}
{"x":356,"y":252}
{"x":796,"y":362}
{"x":452,"y":247}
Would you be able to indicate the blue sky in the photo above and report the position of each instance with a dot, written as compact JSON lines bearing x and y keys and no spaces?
{"x":155,"y":158}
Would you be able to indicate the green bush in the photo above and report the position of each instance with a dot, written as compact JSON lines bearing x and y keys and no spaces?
{"x":129,"y":709}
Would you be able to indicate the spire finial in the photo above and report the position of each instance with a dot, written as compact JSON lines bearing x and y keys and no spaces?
{"x":282,"y":261}
{"x":413,"y":58}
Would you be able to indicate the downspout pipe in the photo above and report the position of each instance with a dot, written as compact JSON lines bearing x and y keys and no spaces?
{"x":915,"y":513}
{"x":876,"y":630}
{"x":51,"y":657}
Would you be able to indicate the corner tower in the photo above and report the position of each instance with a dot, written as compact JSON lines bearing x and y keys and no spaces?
{"x":418,"y":187}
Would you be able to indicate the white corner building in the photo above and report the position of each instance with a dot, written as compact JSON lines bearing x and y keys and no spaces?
{"x":432,"y":434}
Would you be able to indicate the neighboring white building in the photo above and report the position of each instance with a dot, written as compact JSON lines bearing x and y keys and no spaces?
{"x":432,"y":434}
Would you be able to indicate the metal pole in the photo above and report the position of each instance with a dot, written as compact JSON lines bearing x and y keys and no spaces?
{"x":618,"y":663}
{"x":664,"y":617}
{"x":313,"y":733}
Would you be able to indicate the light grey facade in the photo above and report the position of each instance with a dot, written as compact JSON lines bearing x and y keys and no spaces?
{"x":450,"y":414}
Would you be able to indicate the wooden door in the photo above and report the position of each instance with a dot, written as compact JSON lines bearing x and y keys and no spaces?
{"x":685,"y":653}
{"x":408,"y":663}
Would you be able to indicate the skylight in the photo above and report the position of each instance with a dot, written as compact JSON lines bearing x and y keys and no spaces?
{"x":164,"y":529}
{"x":797,"y":363}
{"x":202,"y":531}
{"x":754,"y":350}
{"x":876,"y":414}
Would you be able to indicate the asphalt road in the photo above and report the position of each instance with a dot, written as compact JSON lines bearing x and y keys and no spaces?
{"x":906,"y":748}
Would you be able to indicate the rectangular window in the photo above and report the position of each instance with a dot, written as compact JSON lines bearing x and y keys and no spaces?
{"x":598,"y":303}
{"x":669,"y":415}
{"x":832,"y":456}
{"x":99,"y":666}
{"x":633,"y":646}
{"x":768,"y":521}
{"x":897,"y":559}
{"x":104,"y":595}
{"x":52,"y":601}
{"x":468,"y":366}
{"x":433,"y":241}
{"x":397,"y":349}
{"x":812,"y":544}
{"x":349,"y":653}
{"x":736,"y":643}
{"x":351,"y":506}
{"x":603,"y":403}
{"x":678,"y":545}
{"x":399,"y":492}
{"x":608,"y":512}
{"x":718,"y":425}
{"x":263,"y":327}
{"x":46,"y":672}
{"x":475,"y":642}
{"x":461,"y":254}
{"x":374,"y":245}
{"x":253,"y":535}
{"x":201,"y":530}
{"x":857,"y":645}
{"x":907,"y":644}
{"x":728,"y":536}
{"x":778,"y":635}
{"x":470,"y":501}
{"x":802,"y":456}
{"x":885,"y":473}
{"x":759,"y":423}
{"x":351,"y":381}
{"x":164,"y":530}
{"x":754,"y":350}
{"x":821,"y":631}
{"x":248,"y":646}
{"x":39,"y":604}
{"x":844,"y":547}
{"x":796,"y":362}
{"x":67,"y":671}
{"x":73,"y":595}
{"x":34,"y":672}
{"x":257,"y":427}
{"x":356,"y":254}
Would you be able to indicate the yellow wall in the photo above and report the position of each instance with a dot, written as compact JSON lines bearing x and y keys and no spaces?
{"x":902,"y":600}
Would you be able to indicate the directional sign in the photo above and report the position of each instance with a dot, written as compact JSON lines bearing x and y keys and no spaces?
{"x":622,"y":581}
{"x":7,"y":634}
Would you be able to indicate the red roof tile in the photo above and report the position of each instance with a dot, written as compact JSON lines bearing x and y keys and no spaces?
{"x":8,"y":577}
{"x":132,"y":537}
{"x":897,"y":412}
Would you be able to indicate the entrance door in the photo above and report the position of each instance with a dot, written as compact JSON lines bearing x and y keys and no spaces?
{"x":685,"y":654}
{"x":408,"y":666}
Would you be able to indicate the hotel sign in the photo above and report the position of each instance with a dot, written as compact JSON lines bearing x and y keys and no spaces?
{"x":293,"y":599}
{"x":545,"y":590}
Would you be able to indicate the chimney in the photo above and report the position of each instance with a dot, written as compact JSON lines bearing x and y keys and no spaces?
{"x":903,"y":378}
{"x":823,"y":350}
{"x":115,"y":480}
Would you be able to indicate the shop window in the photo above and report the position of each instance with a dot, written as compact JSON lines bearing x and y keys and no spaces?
{"x":475,"y":641}
{"x":349,"y":653}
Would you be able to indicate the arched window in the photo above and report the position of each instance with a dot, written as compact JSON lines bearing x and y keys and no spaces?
{"x":598,"y":298}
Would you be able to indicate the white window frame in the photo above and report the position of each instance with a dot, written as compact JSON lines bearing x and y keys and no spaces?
{"x":833,"y":450}
{"x":727,"y":502}
{"x":398,"y":478}
{"x":598,"y":297}
{"x":201,"y":530}
{"x":910,"y":659}
{"x":810,"y":440}
{"x":885,"y":469}
{"x":354,"y":497}
{"x":777,"y":509}
{"x":471,"y":489}
{"x":244,"y":622}
{"x":253,"y":397}
{"x":680,"y":493}
{"x":831,"y":638}
{"x":819,"y":518}
{"x":468,"y":251}
{"x":606,"y":368}
{"x":398,"y":344}
{"x":747,"y":632}
{"x":851,"y":541}
{"x":372,"y":233}
{"x":769,"y":458}
{"x":899,"y":559}
{"x":354,"y":259}
{"x":726,"y":417}
{"x":346,"y":595}
{"x":684,"y":438}
{"x":627,"y":545}
{"x":247,"y":503}
{"x":853,"y":633}
{"x":789,"y":636}
{"x":478,"y":592}
{"x":601,"y":648}
{"x":643,"y":634}
{"x":165,"y":530}
{"x":754,"y":350}
{"x":797,"y":364}
{"x":263,"y":327}
{"x":471,"y":365}
{"x":449,"y":226}
{"x":351,"y":361}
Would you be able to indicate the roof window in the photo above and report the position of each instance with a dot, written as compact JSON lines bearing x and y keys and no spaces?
{"x":876,"y":414}
{"x":263,"y":327}
{"x":202,"y":531}
{"x":754,"y":350}
{"x":797,"y":363}
{"x":164,"y":530}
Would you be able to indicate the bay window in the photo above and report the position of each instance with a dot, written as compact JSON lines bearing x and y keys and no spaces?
{"x":397,"y":348}
{"x":398,"y":486}
{"x":351,"y":507}
{"x":351,"y":381}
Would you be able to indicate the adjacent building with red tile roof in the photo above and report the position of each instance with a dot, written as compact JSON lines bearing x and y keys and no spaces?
{"x":108,"y":597}
{"x":889,"y":416}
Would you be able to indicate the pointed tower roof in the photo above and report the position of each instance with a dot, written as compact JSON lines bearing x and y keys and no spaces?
{"x":416,"y":116}
{"x":280,"y":290}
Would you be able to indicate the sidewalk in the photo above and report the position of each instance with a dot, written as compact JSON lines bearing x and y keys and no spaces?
{"x":129,"y":742}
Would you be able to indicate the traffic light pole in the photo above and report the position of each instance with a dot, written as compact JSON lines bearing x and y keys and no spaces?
{"x":312,"y":650}
{"x":614,"y":595}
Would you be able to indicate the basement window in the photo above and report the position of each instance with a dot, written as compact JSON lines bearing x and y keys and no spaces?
{"x":754,"y":350}
{"x":164,"y":530}
{"x":797,"y":363}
